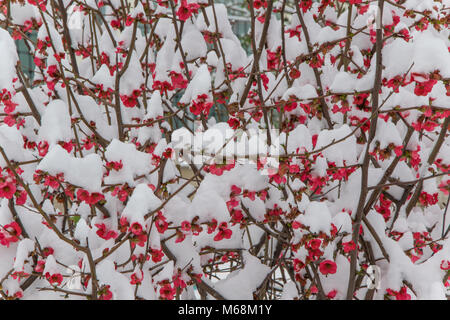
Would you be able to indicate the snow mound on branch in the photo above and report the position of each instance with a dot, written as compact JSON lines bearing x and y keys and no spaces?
{"x":93,"y":112}
{"x":200,"y":84}
{"x":299,"y":140}
{"x":185,"y":253}
{"x":241,"y":284}
{"x":8,"y":61}
{"x":343,"y":222}
{"x":343,"y":82}
{"x":120,"y":284}
{"x":51,"y":266}
{"x":132,"y":79}
{"x":24,"y":248}
{"x":234,"y":54}
{"x":210,"y":205}
{"x":428,"y":52}
{"x":21,"y":13}
{"x":317,"y":217}
{"x":84,"y":172}
{"x":193,"y":43}
{"x":135,"y":163}
{"x":341,"y":151}
{"x":387,"y":133}
{"x":103,"y":77}
{"x":11,"y":141}
{"x":339,"y":280}
{"x":154,"y":110}
{"x":305,"y":92}
{"x":223,"y":23}
{"x":141,"y":202}
{"x":56,"y":123}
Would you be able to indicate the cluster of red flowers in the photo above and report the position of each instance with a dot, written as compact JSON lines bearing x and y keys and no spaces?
{"x":218,"y":169}
{"x":10,"y":233}
{"x":7,"y":187}
{"x":402,"y":294}
{"x":104,"y":233}
{"x":54,"y":278}
{"x":130,"y":101}
{"x":201,"y":105}
{"x":89,"y":198}
{"x":427,"y":199}
{"x":186,"y":10}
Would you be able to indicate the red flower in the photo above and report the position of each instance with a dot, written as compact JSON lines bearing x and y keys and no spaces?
{"x":224,"y":232}
{"x":161,"y":223}
{"x":178,"y":81}
{"x":14,"y":230}
{"x":327,"y":267}
{"x":201,"y":105}
{"x":47,"y":251}
{"x":314,"y":244}
{"x":294,"y":73}
{"x":305,"y":5}
{"x":212,"y":226}
{"x":114,"y":165}
{"x":235,"y":189}
{"x":167,"y":292}
{"x":399,"y":295}
{"x":136,"y":228}
{"x":52,"y":71}
{"x":298,"y":265}
{"x":103,"y":233}
{"x":105,"y":293}
{"x":349,"y":246}
{"x":425,"y":87}
{"x":40,"y":266}
{"x":331,"y":294}
{"x":296,"y":225}
{"x":43,"y":148}
{"x":445,"y":265}
{"x":186,"y":9}
{"x":180,"y":236}
{"x":137,"y":279}
{"x":55,"y":278}
{"x":178,"y":282}
{"x":89,"y":198}
{"x":128,"y":101}
{"x":232,"y":203}
{"x":186,"y":226}
{"x":157,"y":255}
{"x":7,"y":188}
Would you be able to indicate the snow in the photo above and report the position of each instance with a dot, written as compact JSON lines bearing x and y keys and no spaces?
{"x":141,"y":202}
{"x":317,"y":217}
{"x":55,"y":123}
{"x":11,"y":141}
{"x":8,"y":61}
{"x":299,"y":139}
{"x":135,"y":163}
{"x":343,"y":82}
{"x":84,"y":172}
{"x":428,"y":53}
{"x":200,"y":84}
{"x":24,"y":248}
{"x":241,"y":284}
{"x":119,"y":284}
{"x":386,"y":134}
{"x":341,"y":151}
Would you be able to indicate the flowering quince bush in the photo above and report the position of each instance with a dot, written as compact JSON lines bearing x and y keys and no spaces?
{"x":90,"y":189}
